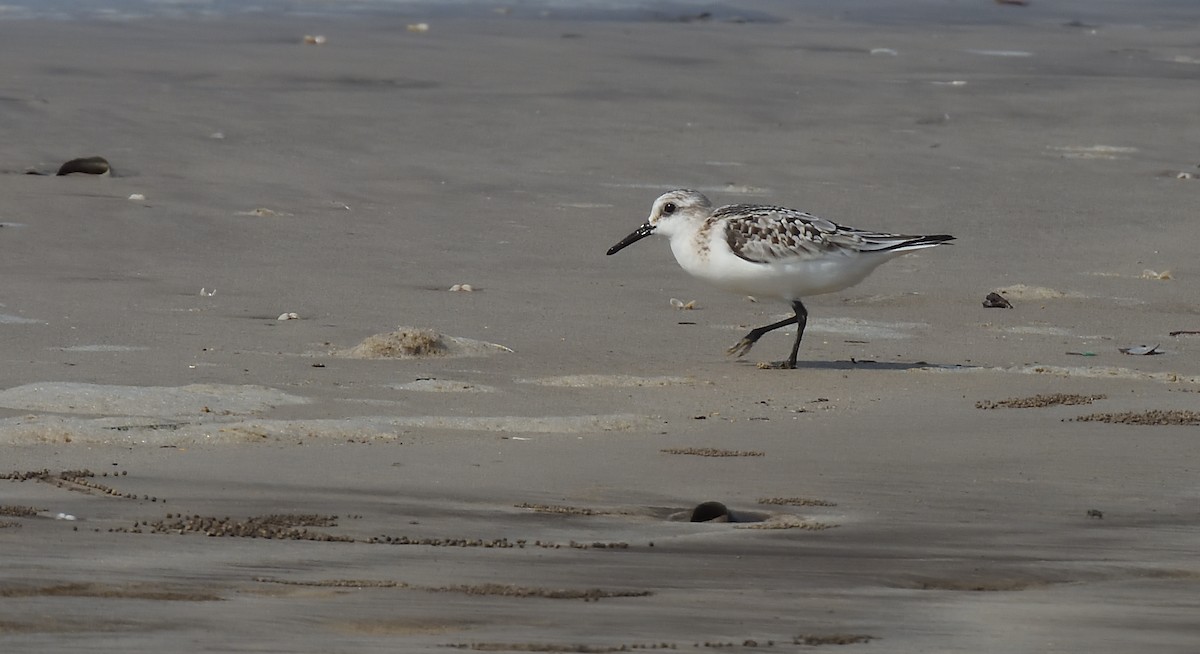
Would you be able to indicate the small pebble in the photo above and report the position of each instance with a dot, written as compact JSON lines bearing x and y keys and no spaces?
{"x":311,"y":39}
{"x":418,"y":27}
{"x":137,"y":196}
{"x":465,"y":288}
{"x":291,"y":315}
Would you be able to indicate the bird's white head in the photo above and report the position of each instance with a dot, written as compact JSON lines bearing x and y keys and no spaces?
{"x":674,"y":209}
{"x":672,"y":212}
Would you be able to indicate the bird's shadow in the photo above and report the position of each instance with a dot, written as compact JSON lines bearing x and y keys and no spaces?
{"x":857,"y":364}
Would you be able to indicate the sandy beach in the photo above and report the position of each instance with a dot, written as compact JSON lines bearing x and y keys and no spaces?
{"x":185,"y":471}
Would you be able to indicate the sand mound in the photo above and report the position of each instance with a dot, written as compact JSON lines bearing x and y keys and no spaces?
{"x":416,"y":343}
{"x":400,"y":344}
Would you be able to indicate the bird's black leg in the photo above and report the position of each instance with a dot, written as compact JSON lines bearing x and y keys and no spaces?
{"x":800,"y":318}
{"x":743,"y":346}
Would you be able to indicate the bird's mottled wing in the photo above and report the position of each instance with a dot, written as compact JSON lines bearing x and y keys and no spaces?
{"x":765,"y":234}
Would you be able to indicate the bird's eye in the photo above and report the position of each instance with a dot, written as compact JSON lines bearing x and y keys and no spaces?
{"x":669,"y":208}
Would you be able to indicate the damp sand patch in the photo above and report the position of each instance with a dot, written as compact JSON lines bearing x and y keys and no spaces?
{"x":707,"y":512}
{"x":855,"y":328}
{"x":579,"y":648}
{"x":866,"y":329}
{"x":399,"y":626}
{"x":1087,"y":372}
{"x":523,"y":424}
{"x":102,"y":348}
{"x":56,"y":625}
{"x":1105,"y":372}
{"x":9,"y":319}
{"x":1043,"y":330}
{"x":1027,"y":292}
{"x":785,"y":521}
{"x":492,"y":589}
{"x":144,"y":591}
{"x":101,"y":399}
{"x":1108,"y":152}
{"x":417,"y":343}
{"x":977,"y":585}
{"x":605,"y":381}
{"x":509,"y":590}
{"x":431,"y":385}
{"x":60,"y":429}
{"x":561,"y":509}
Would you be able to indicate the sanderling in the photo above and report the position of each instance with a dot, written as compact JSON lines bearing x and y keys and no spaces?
{"x":769,"y":251}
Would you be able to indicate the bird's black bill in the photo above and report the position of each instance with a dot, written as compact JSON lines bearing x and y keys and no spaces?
{"x":638,"y":234}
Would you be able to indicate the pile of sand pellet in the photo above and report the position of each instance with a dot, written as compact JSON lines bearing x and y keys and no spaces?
{"x":418,"y":343}
{"x":404,"y":343}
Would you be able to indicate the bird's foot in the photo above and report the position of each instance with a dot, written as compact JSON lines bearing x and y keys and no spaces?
{"x":740,"y":348}
{"x":776,"y":365}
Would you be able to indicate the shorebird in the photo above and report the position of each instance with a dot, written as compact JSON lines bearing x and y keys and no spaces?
{"x":768,"y":251}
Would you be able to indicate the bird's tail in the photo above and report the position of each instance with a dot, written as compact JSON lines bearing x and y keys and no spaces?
{"x":901,"y":243}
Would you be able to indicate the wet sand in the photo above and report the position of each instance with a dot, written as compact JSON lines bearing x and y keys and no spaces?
{"x":239,"y":483}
